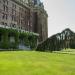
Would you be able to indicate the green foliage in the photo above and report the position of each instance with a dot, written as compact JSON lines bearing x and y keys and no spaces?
{"x":27,"y":38}
{"x":33,"y":41}
{"x":59,"y":41}
{"x":15,"y":34}
{"x":4,"y":42}
{"x":24,"y":37}
{"x":72,"y":46}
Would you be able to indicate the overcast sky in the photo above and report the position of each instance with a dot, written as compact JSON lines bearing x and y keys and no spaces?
{"x":61,"y":15}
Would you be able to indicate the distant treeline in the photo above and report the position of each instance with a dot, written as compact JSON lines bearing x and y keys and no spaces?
{"x":59,"y":41}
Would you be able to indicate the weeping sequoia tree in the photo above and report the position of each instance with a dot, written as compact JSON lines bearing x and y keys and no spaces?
{"x":59,"y":41}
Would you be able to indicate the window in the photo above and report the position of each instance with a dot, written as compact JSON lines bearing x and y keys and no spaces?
{"x":12,"y":11}
{"x":5,"y":8}
{"x":13,"y":6}
{"x":2,"y":23}
{"x":5,"y":2}
{"x":21,"y":22}
{"x":5,"y":24}
{"x":0,"y":1}
{"x":5,"y":16}
{"x":13,"y":25}
{"x":12,"y":17}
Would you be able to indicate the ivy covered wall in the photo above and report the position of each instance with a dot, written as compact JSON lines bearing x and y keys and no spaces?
{"x":28,"y":39}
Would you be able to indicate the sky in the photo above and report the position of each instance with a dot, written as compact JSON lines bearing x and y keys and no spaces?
{"x":61,"y":15}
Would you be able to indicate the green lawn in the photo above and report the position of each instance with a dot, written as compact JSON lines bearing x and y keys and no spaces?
{"x":36,"y":63}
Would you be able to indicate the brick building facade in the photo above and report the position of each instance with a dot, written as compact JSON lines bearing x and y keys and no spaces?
{"x":28,"y":15}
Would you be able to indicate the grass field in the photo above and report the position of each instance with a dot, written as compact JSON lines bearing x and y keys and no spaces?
{"x":36,"y":63}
